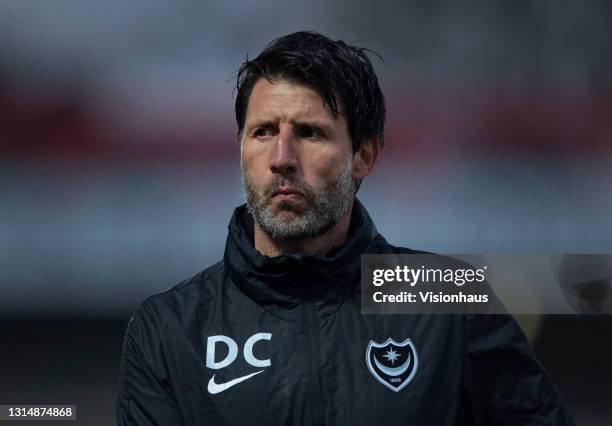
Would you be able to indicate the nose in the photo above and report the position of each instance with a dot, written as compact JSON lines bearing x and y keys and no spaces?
{"x":284,"y":159}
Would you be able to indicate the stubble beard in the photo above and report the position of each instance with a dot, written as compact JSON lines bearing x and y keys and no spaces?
{"x":324,"y":209}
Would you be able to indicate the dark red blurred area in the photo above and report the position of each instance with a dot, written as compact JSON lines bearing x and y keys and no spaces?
{"x":540,"y":121}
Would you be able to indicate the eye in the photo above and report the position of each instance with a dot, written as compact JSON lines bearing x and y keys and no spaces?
{"x":263,"y":132}
{"x":309,"y":132}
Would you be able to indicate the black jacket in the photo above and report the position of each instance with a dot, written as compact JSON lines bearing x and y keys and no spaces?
{"x":281,"y":340}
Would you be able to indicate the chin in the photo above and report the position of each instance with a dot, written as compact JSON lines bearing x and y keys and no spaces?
{"x":285,"y":215}
{"x":295,"y":207}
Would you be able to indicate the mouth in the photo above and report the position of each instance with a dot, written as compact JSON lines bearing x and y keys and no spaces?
{"x":286,"y":194}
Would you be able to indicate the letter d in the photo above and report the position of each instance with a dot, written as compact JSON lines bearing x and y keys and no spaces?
{"x":210,"y":351}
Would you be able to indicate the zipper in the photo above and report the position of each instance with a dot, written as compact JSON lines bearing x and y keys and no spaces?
{"x":314,"y":358}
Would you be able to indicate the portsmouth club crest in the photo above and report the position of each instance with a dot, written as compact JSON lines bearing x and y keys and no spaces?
{"x":393,"y":364}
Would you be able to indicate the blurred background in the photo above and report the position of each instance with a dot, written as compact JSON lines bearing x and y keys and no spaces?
{"x":119,"y":168}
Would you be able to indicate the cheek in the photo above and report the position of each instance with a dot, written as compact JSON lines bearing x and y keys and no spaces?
{"x":248,"y":159}
{"x":325,"y":169}
{"x":253,"y":168}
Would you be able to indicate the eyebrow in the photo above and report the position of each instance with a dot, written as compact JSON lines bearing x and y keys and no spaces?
{"x":301,"y":122}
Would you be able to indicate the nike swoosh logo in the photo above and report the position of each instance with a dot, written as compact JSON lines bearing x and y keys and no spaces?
{"x":214,"y":388}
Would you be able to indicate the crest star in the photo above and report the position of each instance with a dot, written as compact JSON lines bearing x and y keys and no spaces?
{"x":391,"y":355}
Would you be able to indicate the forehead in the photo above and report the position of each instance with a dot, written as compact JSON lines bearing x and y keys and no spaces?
{"x":285,"y":100}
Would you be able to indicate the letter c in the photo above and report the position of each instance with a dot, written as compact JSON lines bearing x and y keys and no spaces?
{"x":248,"y":350}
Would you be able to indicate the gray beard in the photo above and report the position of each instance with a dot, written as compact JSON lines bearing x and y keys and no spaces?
{"x":324,"y":211}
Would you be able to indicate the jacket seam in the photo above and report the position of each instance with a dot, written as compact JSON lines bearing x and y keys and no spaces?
{"x":467,"y":373}
{"x":315,"y":363}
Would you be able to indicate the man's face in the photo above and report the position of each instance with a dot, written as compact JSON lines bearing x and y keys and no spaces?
{"x":296,"y":161}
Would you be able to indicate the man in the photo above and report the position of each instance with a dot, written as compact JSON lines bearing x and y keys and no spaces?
{"x":273,"y":334}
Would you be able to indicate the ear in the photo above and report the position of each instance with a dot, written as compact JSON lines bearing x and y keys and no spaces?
{"x":365,"y":158}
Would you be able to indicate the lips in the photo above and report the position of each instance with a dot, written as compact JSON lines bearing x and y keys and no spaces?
{"x":286,"y":194}
{"x":286,"y":191}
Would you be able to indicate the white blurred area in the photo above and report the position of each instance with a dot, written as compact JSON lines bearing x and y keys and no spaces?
{"x":119,"y":167}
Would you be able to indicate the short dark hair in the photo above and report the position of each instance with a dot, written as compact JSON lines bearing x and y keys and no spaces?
{"x":340,"y":73}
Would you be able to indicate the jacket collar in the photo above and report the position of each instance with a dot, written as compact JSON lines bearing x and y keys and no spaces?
{"x":282,"y":283}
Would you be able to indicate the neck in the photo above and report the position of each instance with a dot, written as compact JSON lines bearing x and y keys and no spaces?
{"x":320,"y":245}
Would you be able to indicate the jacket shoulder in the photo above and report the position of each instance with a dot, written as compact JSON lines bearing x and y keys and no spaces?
{"x":382,"y":246}
{"x":191,"y":292}
{"x":387,"y":248}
